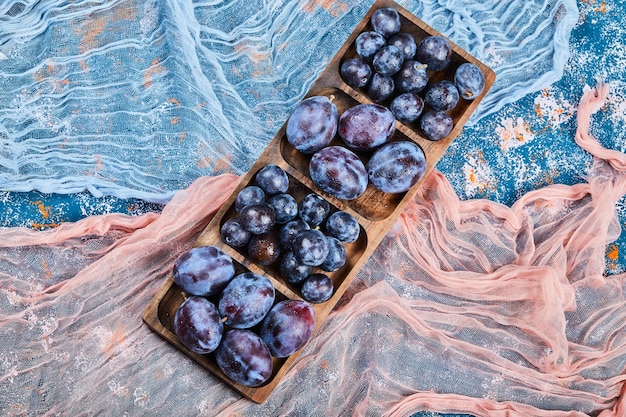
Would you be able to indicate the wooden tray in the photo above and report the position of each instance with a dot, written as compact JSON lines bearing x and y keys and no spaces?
{"x":375,"y":210}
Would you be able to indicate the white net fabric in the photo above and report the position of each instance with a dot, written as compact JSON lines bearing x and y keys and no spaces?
{"x":138,"y":98}
{"x":466,"y":307}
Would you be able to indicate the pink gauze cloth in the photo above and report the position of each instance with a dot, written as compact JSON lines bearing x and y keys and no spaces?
{"x":465,"y":307}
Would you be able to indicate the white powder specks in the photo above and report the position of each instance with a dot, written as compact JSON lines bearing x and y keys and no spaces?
{"x":513,"y":133}
{"x":478,"y":175}
{"x":553,"y":107}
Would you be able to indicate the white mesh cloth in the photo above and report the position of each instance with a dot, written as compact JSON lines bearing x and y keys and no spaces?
{"x":138,"y":98}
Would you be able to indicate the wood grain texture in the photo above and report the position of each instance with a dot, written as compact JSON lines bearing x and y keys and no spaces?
{"x":375,"y":210}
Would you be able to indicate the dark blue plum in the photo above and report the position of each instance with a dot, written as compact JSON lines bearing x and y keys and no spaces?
{"x":197,"y":325}
{"x":381,"y":88}
{"x":356,"y":72}
{"x":317,"y":288}
{"x":292,"y":270}
{"x":313,"y":124}
{"x":310,"y":247}
{"x":289,"y":230}
{"x":285,"y":207}
{"x":272,"y":179}
{"x":368,"y":43}
{"x":436,"y":125}
{"x":343,"y":226}
{"x":250,"y":194}
{"x":234,"y":234}
{"x":203,"y":271}
{"x":386,"y":21}
{"x":364,"y":127}
{"x":246,"y":300}
{"x":244,"y":357}
{"x":412,"y":77}
{"x":338,"y":172}
{"x":407,"y":107}
{"x":434,"y":51}
{"x":257,"y":218}
{"x":336,"y":255}
{"x":470,"y":80}
{"x":442,"y":95}
{"x":287,"y":327}
{"x":397,"y":166}
{"x":313,"y":209}
{"x":388,"y":60}
{"x":406,"y":43}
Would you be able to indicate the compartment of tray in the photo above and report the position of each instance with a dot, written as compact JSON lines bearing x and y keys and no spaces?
{"x":160,"y":317}
{"x":354,"y":250}
{"x":419,"y":29}
{"x":373,"y":204}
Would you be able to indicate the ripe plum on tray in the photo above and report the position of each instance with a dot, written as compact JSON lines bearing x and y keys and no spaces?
{"x":370,"y":202}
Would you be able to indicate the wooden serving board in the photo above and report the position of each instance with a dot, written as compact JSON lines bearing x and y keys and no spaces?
{"x":374,"y":210}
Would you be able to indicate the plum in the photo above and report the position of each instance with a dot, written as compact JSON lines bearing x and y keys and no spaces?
{"x":386,"y":21}
{"x":272,"y":179}
{"x":310,"y":247}
{"x":343,"y":226}
{"x":397,"y":166}
{"x":317,"y":288}
{"x":434,"y":51}
{"x":436,"y":125}
{"x":264,"y":249}
{"x":355,"y":72}
{"x":470,"y":80}
{"x":287,"y":327}
{"x":313,"y":209}
{"x":313,"y":124}
{"x":366,"y":126}
{"x":203,"y":271}
{"x":197,"y":325}
{"x":244,"y":358}
{"x":257,"y":218}
{"x":246,"y":300}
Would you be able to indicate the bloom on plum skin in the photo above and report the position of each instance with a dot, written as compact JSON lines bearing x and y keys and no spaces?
{"x":197,"y":325}
{"x":397,"y":166}
{"x":386,"y":21}
{"x":364,"y":127}
{"x":244,"y":357}
{"x":338,"y":172}
{"x":313,"y":124}
{"x":246,"y":300}
{"x":203,"y":271}
{"x":287,"y":327}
